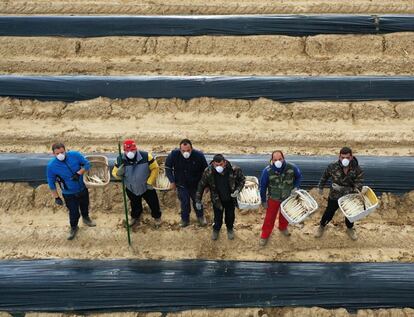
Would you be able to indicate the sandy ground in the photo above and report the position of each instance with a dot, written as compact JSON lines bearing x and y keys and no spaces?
{"x":390,"y":54}
{"x":148,"y":7}
{"x":32,"y":227}
{"x":229,"y":126}
{"x":251,"y":312}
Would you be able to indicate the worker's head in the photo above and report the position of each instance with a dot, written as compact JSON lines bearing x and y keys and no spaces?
{"x":278,"y":158}
{"x":59,"y":151}
{"x":219,"y":163}
{"x":345,"y":156}
{"x":186,"y":147}
{"x":130,"y":148}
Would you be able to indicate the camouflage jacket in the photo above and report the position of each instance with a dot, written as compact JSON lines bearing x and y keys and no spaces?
{"x":236,"y":182}
{"x":349,"y":182}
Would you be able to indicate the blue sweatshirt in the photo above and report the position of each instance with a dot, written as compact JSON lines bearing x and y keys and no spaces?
{"x":62,"y":172}
{"x":264,"y":179}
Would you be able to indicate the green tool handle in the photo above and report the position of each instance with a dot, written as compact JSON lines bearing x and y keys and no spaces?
{"x":125,"y":199}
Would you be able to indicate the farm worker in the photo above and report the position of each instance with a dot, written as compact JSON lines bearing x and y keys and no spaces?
{"x":184,"y":167}
{"x":278,"y":181}
{"x":224,"y":181}
{"x":140,"y":170}
{"x":347,"y":177}
{"x":67,"y":169}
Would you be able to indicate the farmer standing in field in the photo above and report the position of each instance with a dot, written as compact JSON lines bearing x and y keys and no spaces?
{"x":347,"y":177}
{"x":225,"y":181}
{"x":278,"y":181}
{"x":184,"y":167}
{"x":67,"y":169}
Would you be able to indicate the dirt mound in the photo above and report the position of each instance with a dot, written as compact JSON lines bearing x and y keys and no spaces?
{"x":159,"y":7}
{"x":210,"y":55}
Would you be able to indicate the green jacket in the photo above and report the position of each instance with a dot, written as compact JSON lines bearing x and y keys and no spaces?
{"x":236,"y":182}
{"x":349,"y":182}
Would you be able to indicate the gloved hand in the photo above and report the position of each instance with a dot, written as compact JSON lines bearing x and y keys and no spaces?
{"x":199,"y":206}
{"x":75,"y":177}
{"x":119,"y":161}
{"x":121,"y":170}
{"x":234,"y":194}
{"x":149,"y":187}
{"x":264,"y":205}
{"x":321,"y":191}
{"x":337,"y":187}
{"x":294,"y":190}
{"x":59,"y":201}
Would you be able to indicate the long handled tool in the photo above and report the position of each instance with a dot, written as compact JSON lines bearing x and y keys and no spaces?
{"x":125,"y":199}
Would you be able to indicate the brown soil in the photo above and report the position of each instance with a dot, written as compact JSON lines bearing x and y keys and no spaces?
{"x":165,"y":7}
{"x":390,"y":54}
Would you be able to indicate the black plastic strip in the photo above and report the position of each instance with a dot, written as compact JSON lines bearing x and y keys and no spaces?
{"x":285,"y":89}
{"x":121,"y":285}
{"x":293,"y":25}
{"x":383,"y":174}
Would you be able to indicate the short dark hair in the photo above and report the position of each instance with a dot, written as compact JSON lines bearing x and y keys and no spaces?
{"x":345,"y":150}
{"x":58,"y":145}
{"x":185,"y":142}
{"x":277,"y":151}
{"x":218,"y":158}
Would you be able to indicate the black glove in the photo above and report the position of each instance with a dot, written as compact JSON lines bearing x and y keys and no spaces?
{"x":75,"y":177}
{"x":59,"y":201}
{"x":119,"y":161}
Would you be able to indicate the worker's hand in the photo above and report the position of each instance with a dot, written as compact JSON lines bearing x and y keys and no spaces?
{"x":337,"y":187}
{"x":293,"y":191}
{"x":173,"y":186}
{"x":199,"y":206}
{"x":206,"y":190}
{"x":320,"y":191}
{"x":119,"y":160}
{"x":264,"y":205}
{"x":234,"y":194}
{"x":364,"y":190}
{"x":149,"y":187}
{"x":59,"y":201}
{"x":75,"y":177}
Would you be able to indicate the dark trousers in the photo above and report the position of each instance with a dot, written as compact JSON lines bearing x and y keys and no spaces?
{"x":228,"y":210}
{"x":330,"y":212}
{"x":186,"y":196}
{"x":76,"y":202}
{"x":150,"y":196}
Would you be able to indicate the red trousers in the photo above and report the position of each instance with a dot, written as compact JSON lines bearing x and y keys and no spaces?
{"x":273,"y":208}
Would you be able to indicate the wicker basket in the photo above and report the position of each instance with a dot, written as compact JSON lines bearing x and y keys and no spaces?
{"x":99,"y":168}
{"x":294,"y":217}
{"x":370,"y":195}
{"x":244,"y":205}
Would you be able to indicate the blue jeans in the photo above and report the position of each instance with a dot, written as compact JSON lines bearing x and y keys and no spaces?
{"x":185,"y":196}
{"x":75,"y":203}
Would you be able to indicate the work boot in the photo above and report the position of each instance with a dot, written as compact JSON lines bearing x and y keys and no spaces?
{"x":320,"y":231}
{"x":202,"y":221}
{"x":133,"y":222}
{"x":88,"y":221}
{"x":72,"y":232}
{"x":285,"y":232}
{"x":230,"y":234}
{"x":157,"y":222}
{"x":184,"y":223}
{"x":215,"y":235}
{"x":352,"y":233}
{"x":263,"y":242}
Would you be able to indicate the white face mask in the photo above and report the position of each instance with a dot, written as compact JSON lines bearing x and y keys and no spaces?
{"x":219,"y":169}
{"x":345,"y":162}
{"x":130,"y":155}
{"x":278,"y":164}
{"x":61,"y":156}
{"x":186,"y":154}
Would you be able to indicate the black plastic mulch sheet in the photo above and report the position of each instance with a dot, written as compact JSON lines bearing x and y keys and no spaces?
{"x":284,"y":89}
{"x":383,"y":174}
{"x":293,"y":25}
{"x":120,"y":285}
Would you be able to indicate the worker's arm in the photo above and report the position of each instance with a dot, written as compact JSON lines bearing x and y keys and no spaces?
{"x":202,"y":184}
{"x":298,"y":177}
{"x":154,"y":170}
{"x":264,"y":183}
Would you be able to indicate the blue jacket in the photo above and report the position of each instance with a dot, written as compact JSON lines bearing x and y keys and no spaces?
{"x":62,"y":172}
{"x":185,"y":172}
{"x":264,"y":179}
